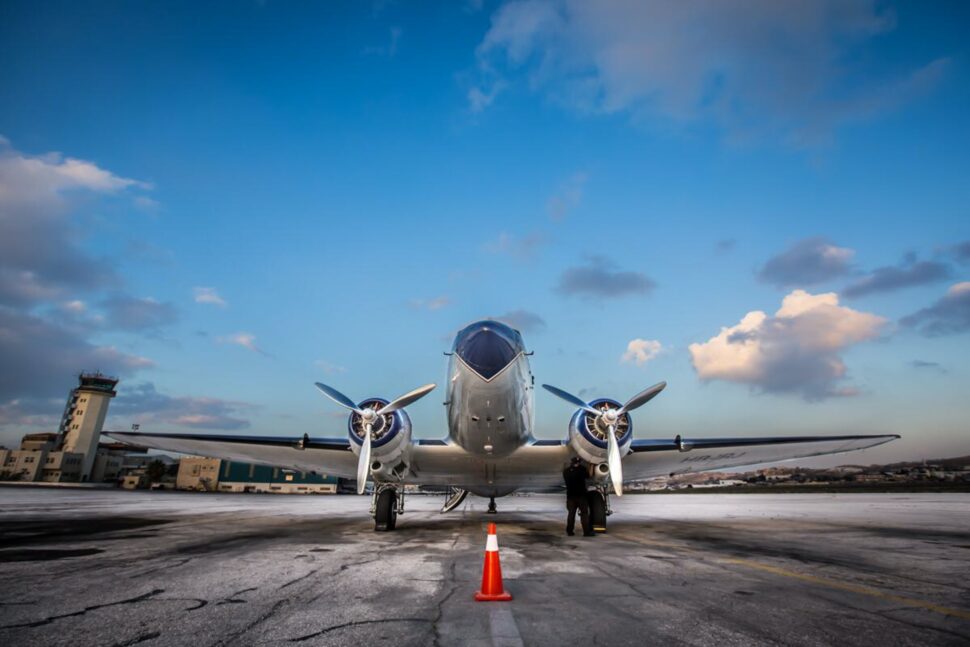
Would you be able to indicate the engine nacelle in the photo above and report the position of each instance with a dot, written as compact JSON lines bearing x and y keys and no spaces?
{"x":587,"y":433}
{"x":390,"y":438}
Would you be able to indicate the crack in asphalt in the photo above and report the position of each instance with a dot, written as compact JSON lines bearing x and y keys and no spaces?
{"x":50,"y":619}
{"x":299,"y":579}
{"x":180,"y":562}
{"x":887,"y":615}
{"x":199,"y":602}
{"x":139,"y":639}
{"x":440,"y":604}
{"x":354,"y":623}
{"x":233,"y":599}
{"x":231,"y":638}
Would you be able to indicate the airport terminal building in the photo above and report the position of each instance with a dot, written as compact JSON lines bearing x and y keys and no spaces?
{"x":217,"y":475}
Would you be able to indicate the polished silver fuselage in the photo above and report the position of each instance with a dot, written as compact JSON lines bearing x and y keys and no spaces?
{"x":493,"y":417}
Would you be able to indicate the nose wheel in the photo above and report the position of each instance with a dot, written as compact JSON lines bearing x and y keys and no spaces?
{"x":491,"y":505}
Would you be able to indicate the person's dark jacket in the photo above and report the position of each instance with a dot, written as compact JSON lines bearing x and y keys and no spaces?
{"x":575,"y":477}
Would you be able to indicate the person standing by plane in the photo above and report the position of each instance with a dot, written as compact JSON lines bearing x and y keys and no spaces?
{"x":575,"y":477}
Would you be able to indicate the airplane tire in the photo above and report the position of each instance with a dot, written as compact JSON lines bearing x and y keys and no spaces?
{"x":385,"y":514}
{"x":597,"y":511}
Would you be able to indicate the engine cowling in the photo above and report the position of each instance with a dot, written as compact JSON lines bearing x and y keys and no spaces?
{"x":390,"y":438}
{"x":587,"y":433}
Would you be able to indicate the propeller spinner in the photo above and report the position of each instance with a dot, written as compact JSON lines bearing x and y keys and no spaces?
{"x":370,"y":417}
{"x":611,"y":418}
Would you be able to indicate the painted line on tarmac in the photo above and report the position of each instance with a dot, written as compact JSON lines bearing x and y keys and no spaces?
{"x":502,"y":627}
{"x":853,"y":588}
{"x":813,"y":579}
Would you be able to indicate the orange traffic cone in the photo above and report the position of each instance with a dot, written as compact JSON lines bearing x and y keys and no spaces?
{"x":492,"y":590}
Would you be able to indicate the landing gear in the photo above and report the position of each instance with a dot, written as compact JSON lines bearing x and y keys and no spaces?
{"x":385,"y":509}
{"x":598,"y":510}
{"x":491,"y":505}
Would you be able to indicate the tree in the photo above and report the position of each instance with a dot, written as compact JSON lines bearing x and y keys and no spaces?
{"x":155,"y":471}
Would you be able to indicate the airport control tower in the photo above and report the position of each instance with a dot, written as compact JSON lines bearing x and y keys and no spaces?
{"x":87,"y":406}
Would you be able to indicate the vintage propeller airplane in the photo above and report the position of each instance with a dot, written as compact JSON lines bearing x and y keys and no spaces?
{"x":489,"y":450}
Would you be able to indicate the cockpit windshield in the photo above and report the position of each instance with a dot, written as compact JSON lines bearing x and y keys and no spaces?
{"x":488,"y":347}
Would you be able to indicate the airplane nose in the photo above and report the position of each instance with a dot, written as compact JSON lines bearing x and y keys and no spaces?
{"x":486,"y":351}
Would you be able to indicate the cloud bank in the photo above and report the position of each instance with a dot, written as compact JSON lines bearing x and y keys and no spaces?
{"x":807,"y":262}
{"x":598,"y":279}
{"x":755,"y":68}
{"x":46,"y":327}
{"x":145,"y":404}
{"x":798,"y":350}
{"x":524,"y":321}
{"x":890,"y":279}
{"x":950,"y":314}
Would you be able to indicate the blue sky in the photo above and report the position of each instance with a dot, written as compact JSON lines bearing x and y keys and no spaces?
{"x":224,"y":203}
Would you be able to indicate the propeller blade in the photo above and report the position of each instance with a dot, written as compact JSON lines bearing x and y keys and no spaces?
{"x":337,"y":397}
{"x":616,"y":465}
{"x":406,"y":399}
{"x":642,"y":398}
{"x":363,"y":462}
{"x":571,"y":399}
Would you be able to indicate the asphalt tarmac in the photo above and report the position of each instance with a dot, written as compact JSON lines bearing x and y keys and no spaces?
{"x":119,"y":568}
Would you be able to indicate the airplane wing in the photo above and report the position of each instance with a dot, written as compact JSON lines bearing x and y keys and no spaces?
{"x":330,"y":456}
{"x":535,"y":466}
{"x":651,"y":458}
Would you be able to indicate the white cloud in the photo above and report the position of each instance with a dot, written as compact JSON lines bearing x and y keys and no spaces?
{"x":795,"y":351}
{"x":209,"y":295}
{"x":146,"y":204}
{"x":791,"y":69}
{"x":244,"y":339}
{"x":480,"y":98}
{"x":523,"y":248}
{"x":959,"y":289}
{"x":641,"y":351}
{"x":76,"y":306}
{"x":43,"y":180}
{"x":436,"y":303}
{"x":329,"y":367}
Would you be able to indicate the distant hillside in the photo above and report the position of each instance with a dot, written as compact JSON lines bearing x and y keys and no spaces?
{"x":939,"y":474}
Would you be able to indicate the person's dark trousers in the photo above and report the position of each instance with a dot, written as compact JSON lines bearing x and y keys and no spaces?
{"x":572,"y":505}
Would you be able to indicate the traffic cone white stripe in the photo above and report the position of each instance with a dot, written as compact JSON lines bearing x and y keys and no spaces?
{"x":491,"y":544}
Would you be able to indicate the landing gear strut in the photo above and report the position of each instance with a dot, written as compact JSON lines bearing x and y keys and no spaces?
{"x":491,"y":505}
{"x":599,"y":509}
{"x":386,"y":507}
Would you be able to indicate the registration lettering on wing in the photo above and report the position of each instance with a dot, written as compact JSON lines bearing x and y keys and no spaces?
{"x":704,"y":458}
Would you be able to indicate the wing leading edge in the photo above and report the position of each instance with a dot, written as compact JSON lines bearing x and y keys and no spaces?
{"x":650,"y":458}
{"x":330,"y":456}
